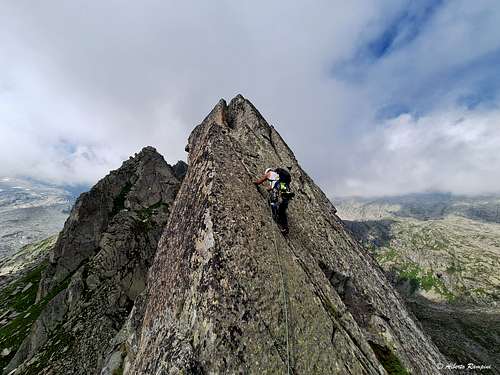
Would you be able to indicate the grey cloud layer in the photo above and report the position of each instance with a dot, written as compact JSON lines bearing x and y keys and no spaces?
{"x":85,"y":84}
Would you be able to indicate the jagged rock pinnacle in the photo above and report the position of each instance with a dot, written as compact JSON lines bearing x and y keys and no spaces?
{"x":98,"y":267}
{"x":229,"y":294}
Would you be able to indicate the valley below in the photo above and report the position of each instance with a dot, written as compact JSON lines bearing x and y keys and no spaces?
{"x":30,"y":211}
{"x":442,"y":253}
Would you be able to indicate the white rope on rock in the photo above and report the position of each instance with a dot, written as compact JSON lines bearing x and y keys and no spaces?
{"x":285,"y":310}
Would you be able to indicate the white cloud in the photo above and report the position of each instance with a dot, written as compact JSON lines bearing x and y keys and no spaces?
{"x":83,"y":85}
{"x":453,"y":151}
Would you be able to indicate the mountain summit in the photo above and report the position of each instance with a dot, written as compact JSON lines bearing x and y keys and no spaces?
{"x":226,"y":292}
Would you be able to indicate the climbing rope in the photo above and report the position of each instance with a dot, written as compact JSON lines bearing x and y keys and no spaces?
{"x":285,"y":303}
{"x":283,"y":290}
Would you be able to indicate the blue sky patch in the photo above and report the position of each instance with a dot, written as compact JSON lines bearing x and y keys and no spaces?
{"x":392,"y":111}
{"x":402,"y":30}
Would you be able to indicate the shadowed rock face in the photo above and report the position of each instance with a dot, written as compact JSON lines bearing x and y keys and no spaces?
{"x":141,"y":182}
{"x":98,"y":268}
{"x":227,"y":293}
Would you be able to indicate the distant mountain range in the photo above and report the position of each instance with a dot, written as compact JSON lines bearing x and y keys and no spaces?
{"x":30,"y":211}
{"x":451,"y":242}
{"x":442,"y":253}
{"x":421,"y":206}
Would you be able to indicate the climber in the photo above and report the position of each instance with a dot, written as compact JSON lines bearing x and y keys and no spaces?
{"x":279,"y":194}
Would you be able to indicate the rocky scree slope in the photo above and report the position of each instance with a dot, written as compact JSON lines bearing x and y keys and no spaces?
{"x":98,"y":268}
{"x":227,"y":293}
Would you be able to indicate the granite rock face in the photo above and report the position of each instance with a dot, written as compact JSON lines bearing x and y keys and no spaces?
{"x":98,"y":268}
{"x":228,"y":293}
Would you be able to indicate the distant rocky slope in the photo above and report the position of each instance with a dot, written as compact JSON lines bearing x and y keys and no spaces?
{"x":445,"y":252}
{"x":30,"y":211}
{"x":442,"y":253}
{"x":422,"y":206}
{"x":225,"y":291}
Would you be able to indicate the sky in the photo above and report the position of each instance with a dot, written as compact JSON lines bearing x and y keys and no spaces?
{"x":375,"y":97}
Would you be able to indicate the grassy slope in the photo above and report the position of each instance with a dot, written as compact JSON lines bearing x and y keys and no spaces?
{"x":448,"y":259}
{"x":18,"y":311}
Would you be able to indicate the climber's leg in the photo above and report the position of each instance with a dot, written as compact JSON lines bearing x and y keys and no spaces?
{"x":273,"y":201}
{"x":282,"y":215}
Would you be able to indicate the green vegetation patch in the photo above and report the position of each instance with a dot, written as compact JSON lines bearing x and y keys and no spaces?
{"x":118,"y":371}
{"x":41,"y":246}
{"x":388,"y":254}
{"x":16,"y":296}
{"x":119,"y":201}
{"x":19,"y":298}
{"x":145,"y":215}
{"x":426,"y":280}
{"x":58,"y":344}
{"x":389,"y":360}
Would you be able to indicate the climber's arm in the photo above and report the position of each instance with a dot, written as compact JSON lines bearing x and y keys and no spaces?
{"x":261,"y":180}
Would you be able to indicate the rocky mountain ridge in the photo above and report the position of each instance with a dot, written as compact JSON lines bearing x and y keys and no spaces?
{"x":225,"y":291}
{"x":98,"y":267}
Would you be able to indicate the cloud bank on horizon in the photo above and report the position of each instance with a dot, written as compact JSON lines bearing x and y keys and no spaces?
{"x":374,"y":97}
